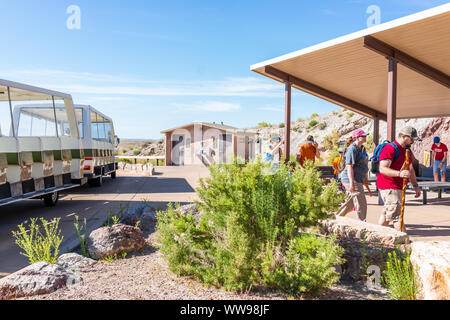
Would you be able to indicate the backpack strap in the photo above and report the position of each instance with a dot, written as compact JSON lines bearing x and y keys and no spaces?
{"x":397,"y":150}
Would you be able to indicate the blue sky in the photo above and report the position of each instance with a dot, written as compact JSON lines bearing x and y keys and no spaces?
{"x":153,"y":65}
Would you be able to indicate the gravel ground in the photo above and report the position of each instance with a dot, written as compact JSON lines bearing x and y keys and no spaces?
{"x":146,"y":276}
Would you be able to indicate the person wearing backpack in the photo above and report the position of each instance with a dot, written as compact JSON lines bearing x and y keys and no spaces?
{"x":390,"y":179}
{"x":355,"y":175}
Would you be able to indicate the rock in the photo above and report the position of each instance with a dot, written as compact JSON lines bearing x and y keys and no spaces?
{"x":74,"y":262}
{"x":38,"y":278}
{"x":351,"y":228}
{"x":148,"y":220}
{"x":119,"y":238}
{"x":432,"y":262}
{"x":365,"y":244}
{"x":133,"y":215}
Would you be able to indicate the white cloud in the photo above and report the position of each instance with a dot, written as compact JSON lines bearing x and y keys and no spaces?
{"x":89,"y":83}
{"x":276,"y":109}
{"x":211,"y":106}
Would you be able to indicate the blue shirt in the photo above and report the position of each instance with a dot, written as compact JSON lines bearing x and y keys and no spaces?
{"x":359,"y":159}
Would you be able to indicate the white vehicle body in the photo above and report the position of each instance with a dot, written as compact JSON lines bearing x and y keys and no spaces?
{"x":42,"y":154}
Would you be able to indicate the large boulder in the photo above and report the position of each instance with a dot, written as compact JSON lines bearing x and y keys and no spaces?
{"x":119,"y":238}
{"x":432,"y":263}
{"x":346,"y":228}
{"x":148,"y":219}
{"x":74,"y":261}
{"x":38,"y":278}
{"x":365,"y":244}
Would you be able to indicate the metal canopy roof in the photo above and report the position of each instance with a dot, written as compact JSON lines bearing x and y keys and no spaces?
{"x":352,"y":71}
{"x":23,"y":92}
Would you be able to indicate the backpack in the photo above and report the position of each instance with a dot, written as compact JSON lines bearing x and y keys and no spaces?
{"x":341,"y":163}
{"x":375,"y":160}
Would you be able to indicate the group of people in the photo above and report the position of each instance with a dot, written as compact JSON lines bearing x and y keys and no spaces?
{"x":392,"y":173}
{"x":392,"y":170}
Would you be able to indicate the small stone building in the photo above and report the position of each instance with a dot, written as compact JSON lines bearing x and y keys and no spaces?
{"x":202,"y":143}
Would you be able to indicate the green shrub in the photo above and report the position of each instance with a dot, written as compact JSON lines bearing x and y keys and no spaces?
{"x":312,"y":123}
{"x":322,"y":126}
{"x":113,"y":217}
{"x":264,"y":125}
{"x":399,"y":277}
{"x":340,"y":115}
{"x":125,"y":160}
{"x":333,"y":154}
{"x":40,"y":246}
{"x":331,"y":141}
{"x":81,"y":233}
{"x":350,"y":114}
{"x":250,"y":231}
{"x":314,"y":115}
{"x":137,"y":152}
{"x":281,"y":125}
{"x":307,"y":266}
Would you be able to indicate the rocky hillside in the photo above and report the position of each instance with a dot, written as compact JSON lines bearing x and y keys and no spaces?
{"x":341,"y":123}
{"x":141,"y":148}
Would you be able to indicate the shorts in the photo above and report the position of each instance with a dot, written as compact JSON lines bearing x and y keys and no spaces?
{"x":392,"y":209}
{"x":439,"y":170}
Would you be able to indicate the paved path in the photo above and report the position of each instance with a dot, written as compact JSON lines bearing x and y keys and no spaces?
{"x":170,"y":184}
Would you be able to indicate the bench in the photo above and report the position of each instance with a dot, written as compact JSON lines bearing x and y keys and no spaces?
{"x":426,"y":186}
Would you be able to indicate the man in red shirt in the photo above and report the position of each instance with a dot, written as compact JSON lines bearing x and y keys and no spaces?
{"x":439,"y":159}
{"x":390,"y":179}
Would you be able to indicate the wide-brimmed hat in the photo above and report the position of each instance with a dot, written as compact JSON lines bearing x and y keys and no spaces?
{"x":410,"y":131}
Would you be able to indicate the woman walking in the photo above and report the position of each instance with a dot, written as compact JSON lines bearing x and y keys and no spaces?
{"x":355,"y":175}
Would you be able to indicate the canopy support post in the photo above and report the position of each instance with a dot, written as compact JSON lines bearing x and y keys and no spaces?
{"x":392,"y":100}
{"x":287,"y":122}
{"x":376,"y":131}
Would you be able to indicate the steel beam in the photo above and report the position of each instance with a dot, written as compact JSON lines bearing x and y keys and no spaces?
{"x":287,"y":122}
{"x":324,"y":93}
{"x":392,"y":100}
{"x":406,"y":60}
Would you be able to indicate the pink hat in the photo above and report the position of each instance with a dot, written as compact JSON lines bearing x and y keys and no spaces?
{"x":358,"y":133}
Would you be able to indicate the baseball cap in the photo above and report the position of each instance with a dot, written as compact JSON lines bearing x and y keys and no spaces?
{"x":310,"y":139}
{"x":358,"y":133}
{"x":410,"y":131}
{"x":437,"y":140}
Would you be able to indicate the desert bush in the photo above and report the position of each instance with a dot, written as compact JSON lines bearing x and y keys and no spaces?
{"x":114,"y":217}
{"x":38,"y":245}
{"x":264,"y":125}
{"x":137,"y":152}
{"x":322,"y":126}
{"x":314,"y":115}
{"x":81,"y":234}
{"x":333,"y":154}
{"x":331,"y":141}
{"x":281,"y":125}
{"x":312,"y":123}
{"x":250,"y":232}
{"x":399,"y":277}
{"x":350,"y":114}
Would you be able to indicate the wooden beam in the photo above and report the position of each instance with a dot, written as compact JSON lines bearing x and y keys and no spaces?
{"x":287,"y":122}
{"x":324,"y":93}
{"x":406,"y":60}
{"x":392,"y":100}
